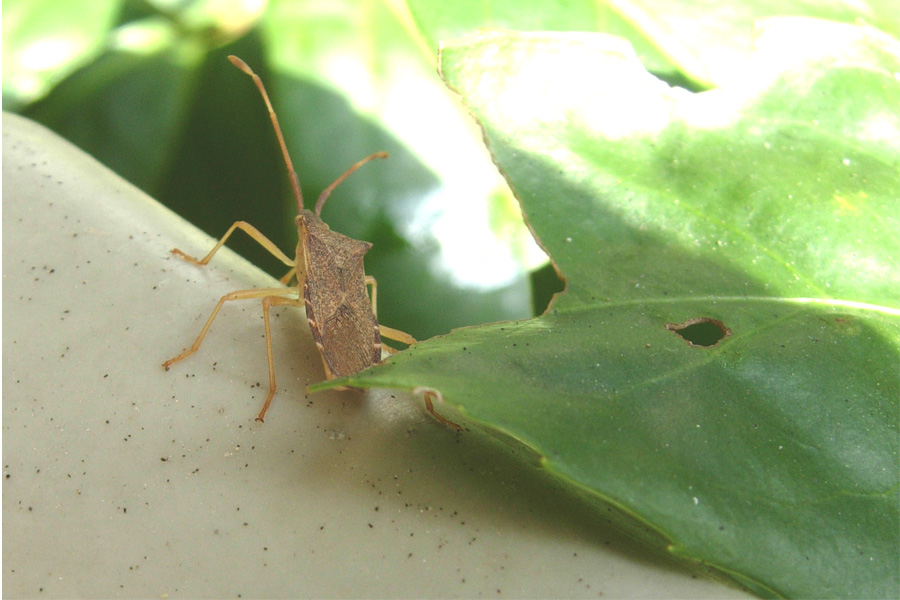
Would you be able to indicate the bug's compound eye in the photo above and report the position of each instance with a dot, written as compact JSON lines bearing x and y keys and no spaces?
{"x":704,"y":332}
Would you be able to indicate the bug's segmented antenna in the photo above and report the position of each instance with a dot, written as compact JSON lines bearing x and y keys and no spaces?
{"x":327,"y":191}
{"x":292,"y":174}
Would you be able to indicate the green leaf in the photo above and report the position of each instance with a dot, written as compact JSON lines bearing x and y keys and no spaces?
{"x":766,"y":211}
{"x":706,"y":39}
{"x":447,"y":21}
{"x":682,"y":40}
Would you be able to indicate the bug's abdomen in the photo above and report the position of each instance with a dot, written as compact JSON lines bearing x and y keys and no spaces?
{"x":348,"y":343}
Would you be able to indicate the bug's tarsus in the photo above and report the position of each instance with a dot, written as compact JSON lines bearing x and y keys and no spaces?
{"x":295,"y":181}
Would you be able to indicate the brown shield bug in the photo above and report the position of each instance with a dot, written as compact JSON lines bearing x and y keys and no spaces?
{"x":331,"y":283}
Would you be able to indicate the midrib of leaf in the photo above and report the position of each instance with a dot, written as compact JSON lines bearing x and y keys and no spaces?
{"x":711,"y":298}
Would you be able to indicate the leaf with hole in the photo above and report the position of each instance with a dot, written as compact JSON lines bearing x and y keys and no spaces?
{"x":766,"y":211}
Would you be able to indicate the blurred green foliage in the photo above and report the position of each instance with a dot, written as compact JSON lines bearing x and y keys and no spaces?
{"x":143,"y":85}
{"x":145,"y":88}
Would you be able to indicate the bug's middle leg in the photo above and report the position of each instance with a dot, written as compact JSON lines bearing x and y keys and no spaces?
{"x":268,"y":302}
{"x":237,"y":295}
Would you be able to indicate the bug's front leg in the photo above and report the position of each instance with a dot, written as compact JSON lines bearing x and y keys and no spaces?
{"x":250,"y":230}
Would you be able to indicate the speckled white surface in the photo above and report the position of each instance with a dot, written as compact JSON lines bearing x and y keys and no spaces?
{"x":122,"y":480}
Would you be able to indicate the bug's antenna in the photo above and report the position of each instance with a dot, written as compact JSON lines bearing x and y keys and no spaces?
{"x":327,"y":191}
{"x":292,"y":174}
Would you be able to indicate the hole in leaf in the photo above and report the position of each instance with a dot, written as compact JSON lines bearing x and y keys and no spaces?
{"x":701,"y":331}
{"x":544,"y":284}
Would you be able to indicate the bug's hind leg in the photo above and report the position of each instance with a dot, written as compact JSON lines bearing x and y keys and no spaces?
{"x":387,"y":332}
{"x":430,"y":393}
{"x":404,"y":338}
{"x":396,"y":335}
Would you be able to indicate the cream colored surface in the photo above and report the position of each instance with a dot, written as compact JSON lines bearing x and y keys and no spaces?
{"x":123,"y":480}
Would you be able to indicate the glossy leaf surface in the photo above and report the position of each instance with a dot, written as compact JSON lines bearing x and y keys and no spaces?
{"x":769,"y":207}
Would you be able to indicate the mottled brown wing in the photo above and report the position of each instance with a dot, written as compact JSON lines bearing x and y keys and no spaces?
{"x":338,"y":307}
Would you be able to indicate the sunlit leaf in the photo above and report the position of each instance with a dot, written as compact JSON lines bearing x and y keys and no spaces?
{"x":766,"y":210}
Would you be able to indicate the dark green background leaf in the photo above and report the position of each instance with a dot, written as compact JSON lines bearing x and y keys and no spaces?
{"x":770,"y":205}
{"x":143,"y":85}
{"x":161,"y":105}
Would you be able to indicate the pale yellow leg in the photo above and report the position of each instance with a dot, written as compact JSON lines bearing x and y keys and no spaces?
{"x":268,"y":302}
{"x":271,"y":297}
{"x":254,"y":233}
{"x":428,"y":394}
{"x":388,"y":332}
{"x":287,"y":277}
{"x":238,"y":295}
{"x":396,"y":335}
{"x":374,"y":294}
